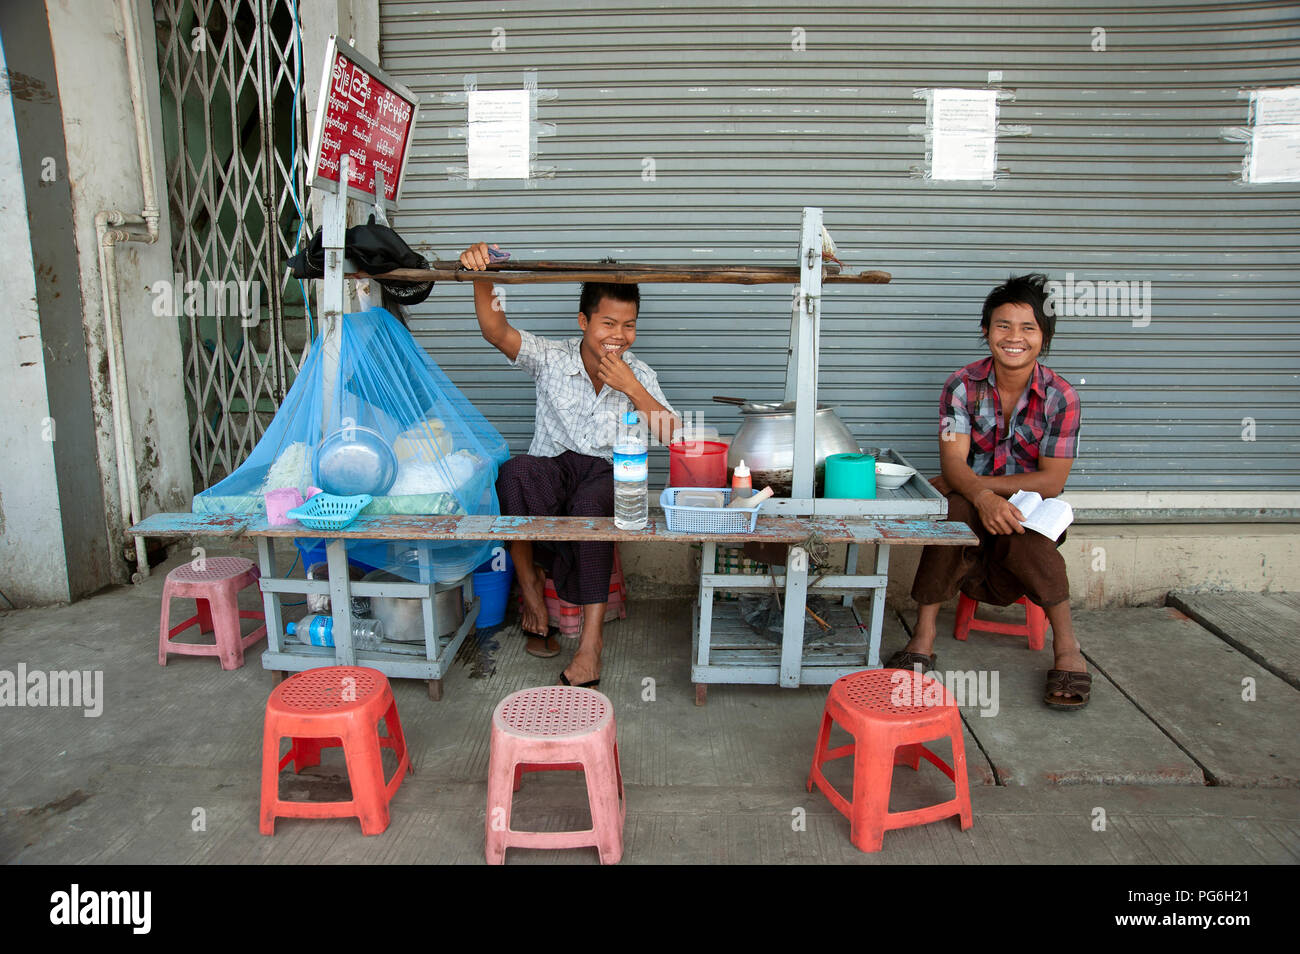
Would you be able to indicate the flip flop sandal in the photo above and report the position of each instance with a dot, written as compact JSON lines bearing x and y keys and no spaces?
{"x":551,"y":638}
{"x":1077,"y":684}
{"x":905,"y":660}
{"x":564,"y":681}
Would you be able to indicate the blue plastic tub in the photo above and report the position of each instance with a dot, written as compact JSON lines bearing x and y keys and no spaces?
{"x":311,"y":555}
{"x":492,"y":587}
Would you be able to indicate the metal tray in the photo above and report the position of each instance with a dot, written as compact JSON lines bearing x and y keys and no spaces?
{"x":916,"y":500}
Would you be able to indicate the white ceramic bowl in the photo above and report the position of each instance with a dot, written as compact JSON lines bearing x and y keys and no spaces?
{"x":892,"y":476}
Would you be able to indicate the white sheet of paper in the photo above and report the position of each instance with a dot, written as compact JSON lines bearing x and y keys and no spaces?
{"x":1275,"y":138}
{"x":498,"y":137}
{"x":963,"y":135}
{"x":1277,"y":106}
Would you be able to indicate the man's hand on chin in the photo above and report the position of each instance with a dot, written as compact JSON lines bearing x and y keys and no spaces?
{"x":615,"y":372}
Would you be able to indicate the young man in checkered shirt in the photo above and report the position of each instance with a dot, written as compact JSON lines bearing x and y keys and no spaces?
{"x":1007,"y":423}
{"x":584,"y":386}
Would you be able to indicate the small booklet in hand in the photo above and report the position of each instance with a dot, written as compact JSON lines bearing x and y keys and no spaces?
{"x":1049,"y":517}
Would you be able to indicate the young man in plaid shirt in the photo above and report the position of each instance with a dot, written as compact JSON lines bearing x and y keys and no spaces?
{"x":1007,"y":423}
{"x":584,"y":386}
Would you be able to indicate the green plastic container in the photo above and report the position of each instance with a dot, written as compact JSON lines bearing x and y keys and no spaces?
{"x":851,"y":476}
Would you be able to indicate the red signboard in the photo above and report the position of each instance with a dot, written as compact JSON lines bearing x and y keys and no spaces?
{"x":366,"y":115}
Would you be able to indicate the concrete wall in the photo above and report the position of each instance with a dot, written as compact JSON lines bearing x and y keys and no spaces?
{"x":103,"y":169}
{"x":32,"y":568}
{"x":62,"y":522}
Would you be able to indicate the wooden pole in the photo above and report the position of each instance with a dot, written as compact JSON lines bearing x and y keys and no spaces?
{"x":516,"y":266}
{"x":624,"y":275}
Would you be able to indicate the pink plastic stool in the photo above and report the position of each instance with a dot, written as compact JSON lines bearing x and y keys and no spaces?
{"x":215,"y":591}
{"x":1034,"y":626}
{"x":556,"y":727}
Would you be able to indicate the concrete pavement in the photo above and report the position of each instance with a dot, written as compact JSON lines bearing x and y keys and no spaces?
{"x":168,"y":773}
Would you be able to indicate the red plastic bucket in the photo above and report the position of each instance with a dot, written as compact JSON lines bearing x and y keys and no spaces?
{"x":697,"y":464}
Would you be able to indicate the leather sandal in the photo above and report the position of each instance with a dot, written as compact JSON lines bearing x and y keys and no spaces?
{"x":1076,"y":684}
{"x":906,"y":660}
{"x":550,"y":642}
{"x":564,"y":681}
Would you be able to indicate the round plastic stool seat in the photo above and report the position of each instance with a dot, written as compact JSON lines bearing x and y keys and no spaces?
{"x":552,"y":712}
{"x":885,"y":695}
{"x":334,"y":690}
{"x":213,"y":570}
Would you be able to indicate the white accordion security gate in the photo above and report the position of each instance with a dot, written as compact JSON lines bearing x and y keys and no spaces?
{"x":234,"y":116}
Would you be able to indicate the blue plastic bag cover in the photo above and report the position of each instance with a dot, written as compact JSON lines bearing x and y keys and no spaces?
{"x":389,"y":421}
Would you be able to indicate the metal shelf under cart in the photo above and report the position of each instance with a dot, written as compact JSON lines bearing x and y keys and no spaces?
{"x":429,"y":660}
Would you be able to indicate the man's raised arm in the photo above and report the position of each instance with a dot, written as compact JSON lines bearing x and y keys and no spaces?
{"x":497,"y":331}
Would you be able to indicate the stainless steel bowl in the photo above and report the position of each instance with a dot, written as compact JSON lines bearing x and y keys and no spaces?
{"x":403,"y":617}
{"x":765,"y":442}
{"x":355,"y":460}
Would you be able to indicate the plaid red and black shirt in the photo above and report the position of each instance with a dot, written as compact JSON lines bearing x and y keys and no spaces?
{"x":1045,"y":421}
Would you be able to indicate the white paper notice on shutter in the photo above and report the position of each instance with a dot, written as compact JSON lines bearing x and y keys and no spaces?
{"x":963,"y":136}
{"x":498,"y":136}
{"x":1275,"y":138}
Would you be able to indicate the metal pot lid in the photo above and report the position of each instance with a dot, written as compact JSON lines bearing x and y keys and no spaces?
{"x":782,"y":407}
{"x":355,"y":460}
{"x":765,"y":407}
{"x":749,"y":407}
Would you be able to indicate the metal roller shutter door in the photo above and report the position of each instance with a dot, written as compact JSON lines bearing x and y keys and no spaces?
{"x":1125,"y":174}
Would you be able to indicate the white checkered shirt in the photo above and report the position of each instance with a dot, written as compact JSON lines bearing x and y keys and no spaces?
{"x":570,"y":414}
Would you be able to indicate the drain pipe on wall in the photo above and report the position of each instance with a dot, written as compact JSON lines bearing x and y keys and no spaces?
{"x":111,"y":227}
{"x":123,"y":439}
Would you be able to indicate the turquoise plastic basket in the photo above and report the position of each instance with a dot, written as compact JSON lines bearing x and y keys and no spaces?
{"x":707,"y":519}
{"x":329,"y":512}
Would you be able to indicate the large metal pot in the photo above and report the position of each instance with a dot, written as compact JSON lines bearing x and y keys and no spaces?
{"x":403,"y":617}
{"x":765,"y":442}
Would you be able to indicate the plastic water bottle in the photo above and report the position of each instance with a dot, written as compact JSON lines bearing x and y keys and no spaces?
{"x":318,"y":630}
{"x":630,"y":472}
{"x":367,"y":633}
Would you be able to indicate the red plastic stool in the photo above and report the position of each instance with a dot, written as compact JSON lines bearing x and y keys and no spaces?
{"x":327,"y":708}
{"x":889,"y":713}
{"x":547,"y":729}
{"x":568,"y":616}
{"x":1034,"y":626}
{"x":215,"y":591}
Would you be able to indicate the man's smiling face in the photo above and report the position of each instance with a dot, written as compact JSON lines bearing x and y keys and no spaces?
{"x":611,"y":328}
{"x":1014,"y":337}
